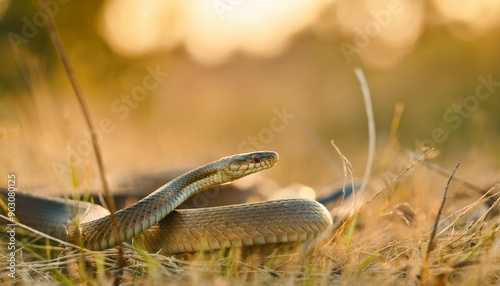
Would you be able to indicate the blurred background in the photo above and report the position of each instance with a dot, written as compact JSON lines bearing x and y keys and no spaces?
{"x":176,"y":84}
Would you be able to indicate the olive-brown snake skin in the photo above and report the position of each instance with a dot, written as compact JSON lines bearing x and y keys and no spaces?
{"x":161,"y":228}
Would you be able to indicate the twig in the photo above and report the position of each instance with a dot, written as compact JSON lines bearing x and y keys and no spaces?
{"x":56,"y":40}
{"x":51,"y":26}
{"x":371,"y":126}
{"x":438,"y":216}
{"x":430,"y":245}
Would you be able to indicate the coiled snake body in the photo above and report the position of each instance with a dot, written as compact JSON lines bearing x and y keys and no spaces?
{"x":160,"y":227}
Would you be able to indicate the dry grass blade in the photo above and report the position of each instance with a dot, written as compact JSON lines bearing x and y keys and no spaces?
{"x":392,"y":138}
{"x":443,"y":172}
{"x":484,"y":199}
{"x":347,"y":169}
{"x":41,"y":234}
{"x":371,"y":126}
{"x":401,"y":176}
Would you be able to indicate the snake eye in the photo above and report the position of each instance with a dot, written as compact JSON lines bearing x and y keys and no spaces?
{"x":256,"y":158}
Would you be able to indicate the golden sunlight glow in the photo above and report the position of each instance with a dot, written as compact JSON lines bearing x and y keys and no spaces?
{"x":211,"y":30}
{"x":4,"y":5}
{"x":380,"y":32}
{"x":138,"y":27}
{"x":477,"y":16}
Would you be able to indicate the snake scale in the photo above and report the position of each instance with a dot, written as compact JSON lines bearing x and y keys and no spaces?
{"x":162,"y":228}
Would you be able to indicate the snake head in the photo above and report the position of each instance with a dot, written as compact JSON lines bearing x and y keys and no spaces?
{"x":240,"y":165}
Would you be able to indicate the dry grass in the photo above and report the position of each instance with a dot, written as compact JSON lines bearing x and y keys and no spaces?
{"x":384,"y":243}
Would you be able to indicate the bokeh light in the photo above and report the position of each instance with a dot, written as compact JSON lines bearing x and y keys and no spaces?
{"x":211,"y":31}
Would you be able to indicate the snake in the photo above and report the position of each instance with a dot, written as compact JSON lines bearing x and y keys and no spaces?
{"x":158,"y":226}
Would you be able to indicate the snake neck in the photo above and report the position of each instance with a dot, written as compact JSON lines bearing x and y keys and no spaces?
{"x":107,"y":232}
